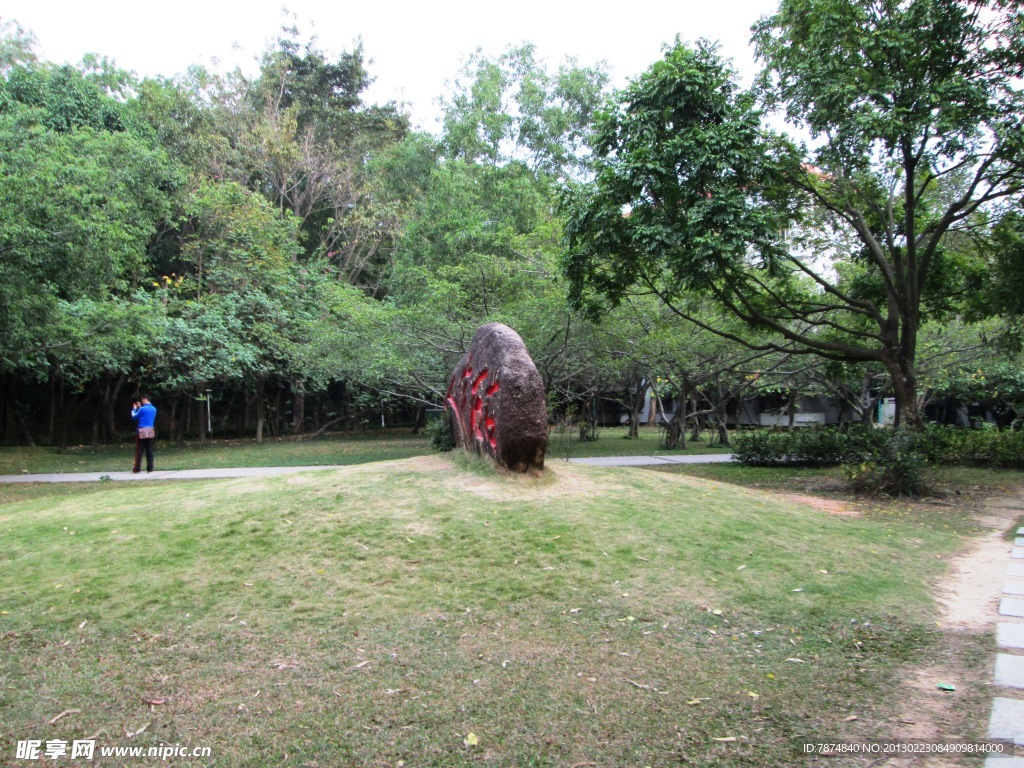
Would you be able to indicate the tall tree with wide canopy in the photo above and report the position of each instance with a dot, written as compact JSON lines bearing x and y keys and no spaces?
{"x":915,"y":115}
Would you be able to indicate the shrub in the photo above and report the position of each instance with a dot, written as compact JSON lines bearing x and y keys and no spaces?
{"x":807,"y":447}
{"x":897,"y":467}
{"x":442,"y":438}
{"x":974,"y":447}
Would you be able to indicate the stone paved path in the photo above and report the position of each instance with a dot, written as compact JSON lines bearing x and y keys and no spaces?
{"x":1007,"y":719}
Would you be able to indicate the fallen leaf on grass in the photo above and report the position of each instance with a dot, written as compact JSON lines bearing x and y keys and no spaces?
{"x":65,"y":713}
{"x":154,"y":702}
{"x":137,"y":731}
{"x":723,"y":738}
{"x":471,"y":740}
{"x":359,"y":665}
{"x":796,"y":661}
{"x":693,"y":702}
{"x":850,"y":719}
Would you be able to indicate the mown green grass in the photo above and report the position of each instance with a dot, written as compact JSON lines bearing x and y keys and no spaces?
{"x":338,"y":449}
{"x":378,"y":615}
{"x":350,"y":448}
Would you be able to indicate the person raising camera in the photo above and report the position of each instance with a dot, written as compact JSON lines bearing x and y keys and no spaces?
{"x":144,"y":414}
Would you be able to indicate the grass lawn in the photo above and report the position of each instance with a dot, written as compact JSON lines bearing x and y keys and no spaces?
{"x":429,"y":612}
{"x":336,"y":449}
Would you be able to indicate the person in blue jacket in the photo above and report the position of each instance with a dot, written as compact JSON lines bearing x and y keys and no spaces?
{"x":144,"y":414}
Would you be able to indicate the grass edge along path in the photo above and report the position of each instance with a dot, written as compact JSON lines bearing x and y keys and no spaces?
{"x":335,"y":449}
{"x":381,"y":614}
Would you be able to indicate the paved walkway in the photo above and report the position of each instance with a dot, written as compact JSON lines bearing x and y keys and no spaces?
{"x":205,"y":474}
{"x":1007,"y":718}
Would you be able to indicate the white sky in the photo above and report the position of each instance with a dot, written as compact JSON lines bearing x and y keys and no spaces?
{"x":416,"y":48}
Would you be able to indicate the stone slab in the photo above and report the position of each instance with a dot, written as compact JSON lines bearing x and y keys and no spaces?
{"x":1020,"y":531}
{"x":1010,"y":674}
{"x":1013,"y":588}
{"x":1019,"y":541}
{"x":1007,"y":720}
{"x":1017,"y":553}
{"x":1015,"y":569}
{"x":1010,"y":635}
{"x":1010,"y":606}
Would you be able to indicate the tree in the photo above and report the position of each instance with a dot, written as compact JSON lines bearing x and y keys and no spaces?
{"x":513,"y":108}
{"x":78,"y":207}
{"x":237,"y":298}
{"x":916,"y":114}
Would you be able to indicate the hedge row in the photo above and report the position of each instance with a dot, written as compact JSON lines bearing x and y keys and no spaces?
{"x":832,"y":446}
{"x":974,"y":447}
{"x":807,"y":447}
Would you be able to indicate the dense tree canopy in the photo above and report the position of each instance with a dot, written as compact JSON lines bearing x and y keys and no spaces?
{"x":276,"y":242}
{"x":843,"y":247}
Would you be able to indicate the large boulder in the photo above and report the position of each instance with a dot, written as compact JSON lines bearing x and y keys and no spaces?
{"x":496,"y":399}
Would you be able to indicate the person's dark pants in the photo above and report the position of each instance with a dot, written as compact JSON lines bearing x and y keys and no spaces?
{"x":145,"y":447}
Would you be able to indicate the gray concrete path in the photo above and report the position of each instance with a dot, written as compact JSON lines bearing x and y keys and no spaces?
{"x":205,"y":474}
{"x":1007,"y":718}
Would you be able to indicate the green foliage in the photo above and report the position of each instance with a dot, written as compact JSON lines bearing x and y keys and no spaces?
{"x":807,"y":446}
{"x":512,"y":108}
{"x":916,"y":111}
{"x":896,"y":467}
{"x":78,"y":208}
{"x":440,"y":433}
{"x":876,"y":461}
{"x":974,"y":447}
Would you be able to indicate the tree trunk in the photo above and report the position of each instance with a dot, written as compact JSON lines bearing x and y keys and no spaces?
{"x":298,"y":408}
{"x":51,"y":427}
{"x":904,"y":388}
{"x":201,"y":412}
{"x":182,"y":421}
{"x":62,"y":428}
{"x":636,"y":407}
{"x":723,"y":433}
{"x":421,"y":417}
{"x":260,"y":408}
{"x":673,"y":431}
{"x":684,"y":397}
{"x":111,"y":396}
